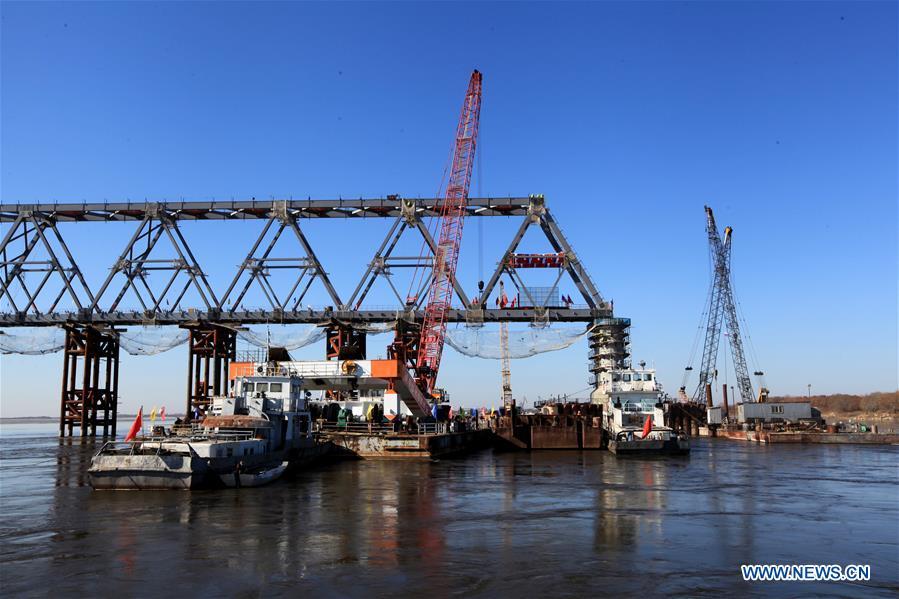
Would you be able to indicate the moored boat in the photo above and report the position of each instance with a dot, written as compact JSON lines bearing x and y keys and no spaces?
{"x":661,"y":442}
{"x":633,"y":417}
{"x":254,"y":477}
{"x":264,"y":422}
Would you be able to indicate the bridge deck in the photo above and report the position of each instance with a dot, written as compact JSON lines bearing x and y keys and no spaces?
{"x":247,"y":317}
{"x":259,"y":209}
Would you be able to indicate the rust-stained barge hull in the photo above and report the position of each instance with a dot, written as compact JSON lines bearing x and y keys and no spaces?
{"x":569,"y":426}
{"x":834,"y":438}
{"x":816,"y":437}
{"x":574,"y":436}
{"x":405,"y":446}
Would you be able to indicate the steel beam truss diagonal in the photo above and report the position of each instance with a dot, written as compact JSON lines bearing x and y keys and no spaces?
{"x":257,"y":268}
{"x":184,"y":295}
{"x":539,"y":214}
{"x":136,"y":263}
{"x":383,"y":263}
{"x":30,"y":231}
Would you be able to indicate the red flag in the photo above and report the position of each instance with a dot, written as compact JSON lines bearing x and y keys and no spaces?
{"x":137,"y":425}
{"x":162,"y":414}
{"x":647,"y":426}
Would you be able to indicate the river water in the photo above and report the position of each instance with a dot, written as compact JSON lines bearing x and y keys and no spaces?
{"x":492,"y":524}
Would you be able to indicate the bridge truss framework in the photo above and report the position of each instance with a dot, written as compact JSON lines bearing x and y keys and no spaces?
{"x":34,"y":245}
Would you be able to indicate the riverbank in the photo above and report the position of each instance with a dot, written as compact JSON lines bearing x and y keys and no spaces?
{"x":879,"y":409}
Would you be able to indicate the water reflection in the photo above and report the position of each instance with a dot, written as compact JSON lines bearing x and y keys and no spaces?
{"x":630,"y":504}
{"x":73,"y":458}
{"x":523,"y":524}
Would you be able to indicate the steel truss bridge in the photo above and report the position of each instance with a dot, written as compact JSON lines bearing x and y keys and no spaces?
{"x":34,"y":229}
{"x":42,"y":284}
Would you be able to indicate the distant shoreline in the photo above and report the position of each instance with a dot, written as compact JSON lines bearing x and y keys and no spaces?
{"x":28,"y":419}
{"x":55,"y":419}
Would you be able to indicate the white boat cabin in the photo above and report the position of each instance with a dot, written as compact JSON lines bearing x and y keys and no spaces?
{"x":629,"y":395}
{"x":629,"y":380}
{"x":274,"y":406}
{"x":258,"y":395}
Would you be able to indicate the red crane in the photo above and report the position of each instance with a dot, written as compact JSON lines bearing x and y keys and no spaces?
{"x":452,"y":212}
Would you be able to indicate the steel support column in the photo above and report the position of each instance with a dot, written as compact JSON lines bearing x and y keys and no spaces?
{"x":89,"y":396}
{"x":343,"y":342}
{"x":211,"y":349}
{"x":573,"y":265}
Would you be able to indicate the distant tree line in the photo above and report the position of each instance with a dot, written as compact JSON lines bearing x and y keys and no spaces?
{"x":872,"y":403}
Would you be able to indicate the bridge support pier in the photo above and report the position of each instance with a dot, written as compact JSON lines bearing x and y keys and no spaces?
{"x":211,"y":349}
{"x":90,"y":396}
{"x":343,"y":342}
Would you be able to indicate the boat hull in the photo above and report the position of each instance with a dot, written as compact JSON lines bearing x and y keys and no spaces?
{"x":148,"y":472}
{"x":183,"y":472}
{"x":254,"y":479}
{"x":650,"y":447}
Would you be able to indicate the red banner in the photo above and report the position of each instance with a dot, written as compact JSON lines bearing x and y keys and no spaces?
{"x":137,"y":425}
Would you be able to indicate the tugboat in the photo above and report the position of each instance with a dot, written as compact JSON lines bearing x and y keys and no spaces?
{"x":249,"y":438}
{"x":633,"y":417}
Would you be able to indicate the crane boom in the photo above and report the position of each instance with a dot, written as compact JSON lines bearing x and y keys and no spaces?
{"x":707,"y":370}
{"x":744,"y":383}
{"x":446,"y":256}
{"x":722,"y":307}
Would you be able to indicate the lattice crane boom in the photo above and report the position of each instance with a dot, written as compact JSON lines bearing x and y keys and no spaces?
{"x":744,"y":383}
{"x":446,"y":256}
{"x":722,"y":307}
{"x":707,"y":371}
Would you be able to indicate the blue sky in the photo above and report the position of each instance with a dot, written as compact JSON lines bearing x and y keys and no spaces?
{"x":629,"y":117}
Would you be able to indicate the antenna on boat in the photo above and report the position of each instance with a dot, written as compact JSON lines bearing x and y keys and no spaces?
{"x":268,"y":348}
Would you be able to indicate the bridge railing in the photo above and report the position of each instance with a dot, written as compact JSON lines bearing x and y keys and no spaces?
{"x":371,"y":428}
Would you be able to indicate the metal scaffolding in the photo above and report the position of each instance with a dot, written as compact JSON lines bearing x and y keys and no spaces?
{"x":609,"y":343}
